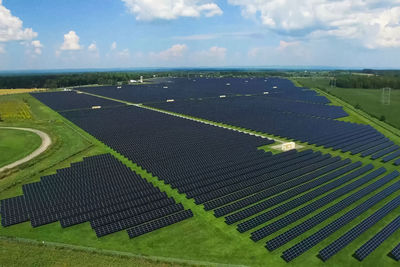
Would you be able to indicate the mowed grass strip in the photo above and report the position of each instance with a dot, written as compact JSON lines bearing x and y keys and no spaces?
{"x":17,"y":253}
{"x":16,"y":144}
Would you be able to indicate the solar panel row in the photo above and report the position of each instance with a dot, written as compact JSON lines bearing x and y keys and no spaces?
{"x":378,"y":239}
{"x":335,"y":225}
{"x":357,"y":230}
{"x":327,"y":213}
{"x":313,"y":206}
{"x":395,"y":253}
{"x":271,"y":214}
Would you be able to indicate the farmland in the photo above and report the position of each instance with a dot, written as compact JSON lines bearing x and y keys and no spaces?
{"x":18,"y":91}
{"x":245,"y":199}
{"x":14,"y":109}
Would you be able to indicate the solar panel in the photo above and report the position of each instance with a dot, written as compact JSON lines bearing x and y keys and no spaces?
{"x":357,"y":230}
{"x":332,"y":227}
{"x":378,"y":239}
{"x":321,"y":216}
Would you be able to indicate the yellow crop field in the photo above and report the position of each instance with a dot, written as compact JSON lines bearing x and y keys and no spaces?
{"x":19,"y":91}
{"x":14,"y":110}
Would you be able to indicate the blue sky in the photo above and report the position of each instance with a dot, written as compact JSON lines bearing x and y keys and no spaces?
{"x":48,"y":34}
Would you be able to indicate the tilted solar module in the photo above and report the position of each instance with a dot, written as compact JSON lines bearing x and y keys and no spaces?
{"x":377,"y":239}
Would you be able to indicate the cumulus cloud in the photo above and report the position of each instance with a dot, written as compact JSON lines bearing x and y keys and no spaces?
{"x":71,"y":42}
{"x":11,"y":27}
{"x":125,"y":53}
{"x":113,"y":46}
{"x":373,"y":23}
{"x":148,"y":10}
{"x":174,"y":52}
{"x":37,"y":47}
{"x":215,"y":53}
{"x":92,"y":47}
{"x":283,"y":44}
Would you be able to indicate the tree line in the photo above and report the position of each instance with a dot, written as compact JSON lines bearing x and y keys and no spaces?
{"x":370,"y":79}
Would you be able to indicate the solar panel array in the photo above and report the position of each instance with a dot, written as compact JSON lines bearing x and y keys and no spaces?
{"x":183,"y":88}
{"x":68,"y":100}
{"x":100,"y":190}
{"x":223,"y":170}
{"x":305,"y":122}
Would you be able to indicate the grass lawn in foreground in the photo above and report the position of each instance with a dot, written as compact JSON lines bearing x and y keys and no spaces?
{"x":37,"y":254}
{"x":16,"y":144}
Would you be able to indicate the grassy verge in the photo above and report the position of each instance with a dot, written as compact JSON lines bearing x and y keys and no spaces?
{"x":28,"y":253}
{"x":17,"y":144}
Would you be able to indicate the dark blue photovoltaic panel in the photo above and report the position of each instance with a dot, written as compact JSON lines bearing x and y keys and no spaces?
{"x":384,"y":152}
{"x":322,"y":216}
{"x":183,"y":88}
{"x":270,"y":214}
{"x":315,"y":238}
{"x":391,"y":156}
{"x":395,"y":253}
{"x":356,"y":231}
{"x":378,"y":239}
{"x":99,"y":189}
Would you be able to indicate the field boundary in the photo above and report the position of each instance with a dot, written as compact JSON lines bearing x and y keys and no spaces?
{"x":113,"y":252}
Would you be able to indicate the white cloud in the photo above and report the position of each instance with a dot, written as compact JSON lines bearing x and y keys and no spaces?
{"x":124,"y":53}
{"x":215,"y":53}
{"x":37,"y":47}
{"x":2,"y":48}
{"x":223,"y":35}
{"x":11,"y":28}
{"x":283,"y":44}
{"x":174,"y":52}
{"x":371,"y":22}
{"x":171,"y":9}
{"x":113,"y":46}
{"x":71,"y":42}
{"x":92,"y":47}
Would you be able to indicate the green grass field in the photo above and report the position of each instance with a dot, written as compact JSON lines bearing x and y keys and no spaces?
{"x":42,"y":254}
{"x":16,"y":145}
{"x":369,"y":100}
{"x":200,"y":239}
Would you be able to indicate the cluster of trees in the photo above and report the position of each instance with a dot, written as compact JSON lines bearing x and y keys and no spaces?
{"x":370,"y":79}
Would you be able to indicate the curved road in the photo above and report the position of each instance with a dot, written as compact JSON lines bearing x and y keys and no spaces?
{"x":46,"y":142}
